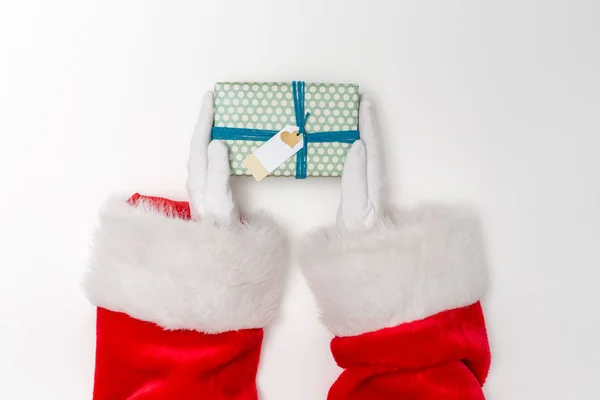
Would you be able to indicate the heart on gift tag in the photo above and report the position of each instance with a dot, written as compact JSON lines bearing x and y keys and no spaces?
{"x":290,"y":138}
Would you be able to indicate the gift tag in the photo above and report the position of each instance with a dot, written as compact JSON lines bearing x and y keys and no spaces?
{"x":277,"y":150}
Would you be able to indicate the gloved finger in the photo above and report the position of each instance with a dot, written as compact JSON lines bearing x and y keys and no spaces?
{"x":370,"y":137}
{"x":218,"y":199}
{"x":354,"y":204}
{"x":198,"y":161}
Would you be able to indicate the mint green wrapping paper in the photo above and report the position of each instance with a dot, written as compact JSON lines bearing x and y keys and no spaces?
{"x":333,"y":107}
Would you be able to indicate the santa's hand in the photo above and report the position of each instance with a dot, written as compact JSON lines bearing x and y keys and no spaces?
{"x":209,"y":173}
{"x":362,"y":180}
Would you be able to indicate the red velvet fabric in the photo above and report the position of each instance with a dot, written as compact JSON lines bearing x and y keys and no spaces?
{"x":138,"y":360}
{"x":180,"y":208}
{"x":443,"y":357}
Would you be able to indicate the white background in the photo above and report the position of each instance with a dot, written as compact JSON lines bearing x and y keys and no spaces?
{"x":492,"y":103}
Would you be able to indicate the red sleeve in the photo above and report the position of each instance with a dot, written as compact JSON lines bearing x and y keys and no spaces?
{"x":177,"y":316}
{"x":445,"y":356}
{"x":140,"y":360}
{"x":403,"y":302}
{"x":181,"y":209}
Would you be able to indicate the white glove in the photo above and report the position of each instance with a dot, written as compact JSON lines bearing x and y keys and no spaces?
{"x":208,"y":183}
{"x":362,"y":180}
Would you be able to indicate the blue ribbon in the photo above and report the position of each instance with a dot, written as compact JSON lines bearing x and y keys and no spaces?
{"x":301,"y":118}
{"x":298,"y":90}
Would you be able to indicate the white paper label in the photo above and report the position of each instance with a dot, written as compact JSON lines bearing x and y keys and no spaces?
{"x":277,"y":150}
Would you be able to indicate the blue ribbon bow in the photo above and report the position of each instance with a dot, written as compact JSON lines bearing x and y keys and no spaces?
{"x":298,"y":90}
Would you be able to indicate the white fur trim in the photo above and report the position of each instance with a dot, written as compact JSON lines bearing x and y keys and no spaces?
{"x":183,"y":274}
{"x":406,"y":268}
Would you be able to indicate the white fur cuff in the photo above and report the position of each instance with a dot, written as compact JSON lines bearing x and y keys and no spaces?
{"x":186,"y":275}
{"x":407,"y":268}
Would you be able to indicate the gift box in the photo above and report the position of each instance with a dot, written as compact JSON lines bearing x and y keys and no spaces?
{"x":248,"y":113}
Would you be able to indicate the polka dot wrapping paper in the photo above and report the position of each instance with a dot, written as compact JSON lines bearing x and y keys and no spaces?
{"x":270,"y":106}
